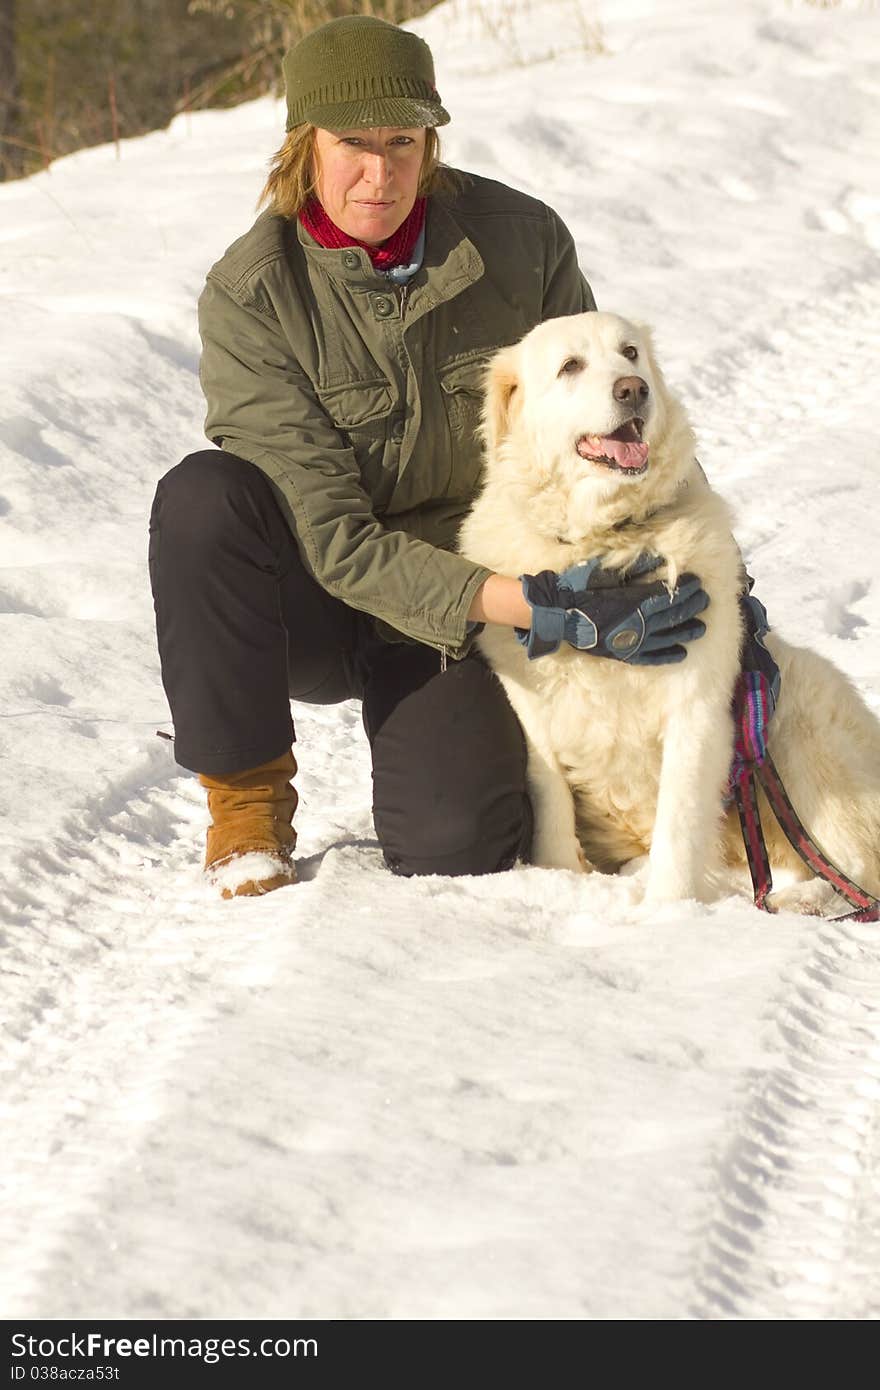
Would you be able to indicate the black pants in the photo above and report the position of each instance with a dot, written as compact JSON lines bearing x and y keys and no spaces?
{"x":243,"y":629}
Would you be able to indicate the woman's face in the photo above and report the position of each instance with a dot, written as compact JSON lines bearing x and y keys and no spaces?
{"x":368,"y":180}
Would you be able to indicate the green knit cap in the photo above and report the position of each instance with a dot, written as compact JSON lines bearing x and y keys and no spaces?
{"x":361,"y":72}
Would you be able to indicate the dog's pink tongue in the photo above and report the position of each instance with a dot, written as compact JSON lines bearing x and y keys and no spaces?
{"x":624,"y":452}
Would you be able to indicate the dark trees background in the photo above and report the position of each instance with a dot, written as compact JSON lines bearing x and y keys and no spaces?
{"x":82,"y":72}
{"x":9,"y":108}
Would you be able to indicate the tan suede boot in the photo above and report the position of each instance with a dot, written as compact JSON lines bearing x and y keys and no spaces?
{"x":251,"y":814}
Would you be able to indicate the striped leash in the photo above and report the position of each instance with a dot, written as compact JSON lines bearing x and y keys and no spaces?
{"x":753,"y":764}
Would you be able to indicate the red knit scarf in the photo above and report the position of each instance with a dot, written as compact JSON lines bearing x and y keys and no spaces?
{"x":395,"y":250}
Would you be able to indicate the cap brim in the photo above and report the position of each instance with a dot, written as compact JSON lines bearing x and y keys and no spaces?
{"x":379,"y":111}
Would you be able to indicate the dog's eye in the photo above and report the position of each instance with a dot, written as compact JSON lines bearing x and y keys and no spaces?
{"x":630,"y":352}
{"x":572,"y":365}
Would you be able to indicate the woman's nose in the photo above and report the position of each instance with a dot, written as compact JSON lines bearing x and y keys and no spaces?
{"x":376,"y":168}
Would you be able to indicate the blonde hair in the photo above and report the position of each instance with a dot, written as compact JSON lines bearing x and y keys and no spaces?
{"x":291,"y":180}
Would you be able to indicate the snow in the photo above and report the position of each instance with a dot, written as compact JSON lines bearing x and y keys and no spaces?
{"x":362,"y":1097}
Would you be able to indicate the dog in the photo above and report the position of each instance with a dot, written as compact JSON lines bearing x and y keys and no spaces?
{"x":589,"y":455}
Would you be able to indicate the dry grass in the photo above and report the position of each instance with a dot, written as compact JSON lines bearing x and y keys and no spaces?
{"x":833,"y":4}
{"x":75,"y":73}
{"x":510,"y":25}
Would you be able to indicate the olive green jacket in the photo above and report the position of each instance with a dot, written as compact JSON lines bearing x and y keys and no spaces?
{"x":360,"y":399}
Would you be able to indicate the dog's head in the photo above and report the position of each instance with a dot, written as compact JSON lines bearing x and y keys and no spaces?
{"x":580,"y":406}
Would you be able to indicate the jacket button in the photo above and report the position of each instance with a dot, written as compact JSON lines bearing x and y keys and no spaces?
{"x":383,"y":305}
{"x":397,"y":430}
{"x":350,"y":259}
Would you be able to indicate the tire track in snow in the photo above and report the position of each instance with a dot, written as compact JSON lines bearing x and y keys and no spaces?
{"x":120,"y":963}
{"x":795,"y":1231}
{"x":108,"y":984}
{"x":54,"y":892}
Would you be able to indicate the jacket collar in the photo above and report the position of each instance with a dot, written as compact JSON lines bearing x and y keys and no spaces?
{"x":451,"y":262}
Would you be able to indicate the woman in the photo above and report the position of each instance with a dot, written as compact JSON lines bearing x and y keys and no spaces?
{"x":311,"y":556}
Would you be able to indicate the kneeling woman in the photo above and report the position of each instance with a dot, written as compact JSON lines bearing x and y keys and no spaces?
{"x":311,"y":555}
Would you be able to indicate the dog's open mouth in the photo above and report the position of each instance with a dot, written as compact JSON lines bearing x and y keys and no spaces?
{"x":622,"y":450}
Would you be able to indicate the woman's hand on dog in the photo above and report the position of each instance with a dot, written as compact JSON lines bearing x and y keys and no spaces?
{"x":603,"y":613}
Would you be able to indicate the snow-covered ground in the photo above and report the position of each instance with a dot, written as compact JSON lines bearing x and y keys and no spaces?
{"x":363,"y":1097}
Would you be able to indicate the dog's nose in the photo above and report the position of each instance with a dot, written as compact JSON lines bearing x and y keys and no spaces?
{"x":631,"y":390}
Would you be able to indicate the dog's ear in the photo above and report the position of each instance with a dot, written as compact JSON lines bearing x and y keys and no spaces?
{"x":502,"y":396}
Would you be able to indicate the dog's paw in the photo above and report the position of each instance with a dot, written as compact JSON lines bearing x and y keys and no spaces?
{"x":811,"y":898}
{"x":663,"y":889}
{"x":554,"y":854}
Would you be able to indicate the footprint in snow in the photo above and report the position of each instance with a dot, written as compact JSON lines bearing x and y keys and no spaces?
{"x":838,"y":619}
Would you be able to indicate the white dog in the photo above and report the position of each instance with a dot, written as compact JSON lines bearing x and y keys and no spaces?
{"x":626,"y":760}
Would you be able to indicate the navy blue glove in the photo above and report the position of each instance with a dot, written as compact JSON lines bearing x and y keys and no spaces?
{"x":606,"y":614}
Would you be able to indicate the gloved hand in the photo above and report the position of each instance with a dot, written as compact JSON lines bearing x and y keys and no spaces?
{"x":605,"y":613}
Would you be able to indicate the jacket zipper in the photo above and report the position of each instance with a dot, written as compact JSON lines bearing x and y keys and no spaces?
{"x":404,"y":295}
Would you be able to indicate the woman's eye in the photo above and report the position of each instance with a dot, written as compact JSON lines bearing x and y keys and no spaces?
{"x":572,"y":365}
{"x":632,"y":353}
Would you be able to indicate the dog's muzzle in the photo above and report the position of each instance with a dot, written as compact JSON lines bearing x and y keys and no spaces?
{"x":622,"y":450}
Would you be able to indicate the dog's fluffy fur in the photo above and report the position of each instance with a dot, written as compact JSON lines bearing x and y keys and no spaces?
{"x":625,"y":760}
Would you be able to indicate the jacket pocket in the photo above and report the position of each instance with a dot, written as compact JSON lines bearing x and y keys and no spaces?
{"x":357,"y":404}
{"x":362,"y":412}
{"x":461,"y":385}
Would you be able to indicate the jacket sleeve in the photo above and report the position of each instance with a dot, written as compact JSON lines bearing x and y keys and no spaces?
{"x":262,"y":406}
{"x":565,"y":289}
